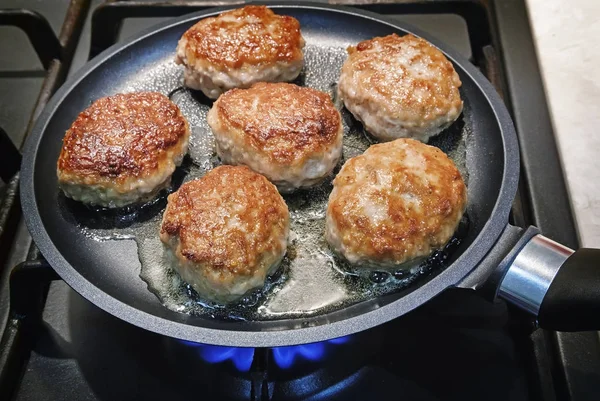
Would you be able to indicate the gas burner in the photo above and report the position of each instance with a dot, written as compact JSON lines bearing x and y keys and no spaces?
{"x":241,"y":357}
{"x":284,"y":357}
{"x":291,"y":372}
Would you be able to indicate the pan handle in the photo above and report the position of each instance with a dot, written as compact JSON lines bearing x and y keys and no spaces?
{"x":558,"y":285}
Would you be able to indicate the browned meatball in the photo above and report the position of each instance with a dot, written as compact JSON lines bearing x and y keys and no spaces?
{"x":122,"y":149}
{"x":240,"y":47}
{"x":227,"y":230}
{"x":396,"y":202}
{"x":290,"y":134}
{"x":400,"y":87}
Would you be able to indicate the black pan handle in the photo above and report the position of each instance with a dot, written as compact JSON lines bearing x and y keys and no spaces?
{"x":572,"y":302}
{"x":561,"y":287}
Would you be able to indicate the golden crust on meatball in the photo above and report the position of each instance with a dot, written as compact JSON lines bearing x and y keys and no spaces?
{"x":291,"y":134}
{"x":400,"y":86}
{"x":240,"y":47}
{"x":227,"y":230}
{"x":396,"y":202}
{"x":248,"y":35}
{"x":122,"y":148}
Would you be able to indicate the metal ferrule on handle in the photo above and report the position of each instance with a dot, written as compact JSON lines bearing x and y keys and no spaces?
{"x":529,"y":276}
{"x":559,"y":286}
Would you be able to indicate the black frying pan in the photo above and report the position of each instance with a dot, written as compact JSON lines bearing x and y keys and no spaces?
{"x":517,"y":264}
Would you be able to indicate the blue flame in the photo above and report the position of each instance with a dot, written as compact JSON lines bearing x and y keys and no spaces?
{"x":241,"y":357}
{"x":285,"y":356}
{"x":340,"y":340}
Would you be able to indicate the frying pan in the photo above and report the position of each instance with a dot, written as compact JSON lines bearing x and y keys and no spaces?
{"x":558,"y":286}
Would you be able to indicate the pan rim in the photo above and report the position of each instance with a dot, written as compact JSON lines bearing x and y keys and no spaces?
{"x":451,"y":276}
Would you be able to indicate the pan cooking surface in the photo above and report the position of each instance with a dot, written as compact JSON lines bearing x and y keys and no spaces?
{"x":313,"y":300}
{"x":312,"y":279}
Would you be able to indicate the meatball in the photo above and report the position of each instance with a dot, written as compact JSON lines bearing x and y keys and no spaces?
{"x":400,"y":87}
{"x":240,"y":47}
{"x":397,"y":202}
{"x":290,"y":134}
{"x":122,"y":149}
{"x":227,"y":231}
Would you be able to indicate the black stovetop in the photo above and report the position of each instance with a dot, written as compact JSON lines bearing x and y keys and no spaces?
{"x":56,"y":345}
{"x":459,"y":348}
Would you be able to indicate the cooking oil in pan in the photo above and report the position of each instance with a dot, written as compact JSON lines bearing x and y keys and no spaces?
{"x":311,"y":279}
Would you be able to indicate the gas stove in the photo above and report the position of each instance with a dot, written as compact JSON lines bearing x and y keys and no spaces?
{"x":56,"y":345}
